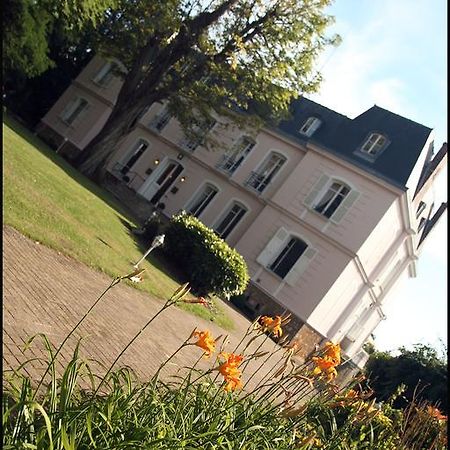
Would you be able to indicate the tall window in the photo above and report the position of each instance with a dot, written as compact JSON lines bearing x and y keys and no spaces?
{"x":230,"y":162}
{"x":201,"y":129}
{"x":311,"y":125}
{"x":230,"y":220}
{"x":105,"y":74}
{"x":74,"y":110}
{"x":134,"y":155}
{"x":260,"y":179}
{"x":202,"y":200}
{"x":332,"y":199}
{"x":288,"y":256}
{"x":160,"y":120}
{"x":374,"y":144}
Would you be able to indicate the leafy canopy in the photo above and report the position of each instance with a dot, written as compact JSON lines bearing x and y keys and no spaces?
{"x":28,"y":27}
{"x":221,"y":54}
{"x":420,"y":367}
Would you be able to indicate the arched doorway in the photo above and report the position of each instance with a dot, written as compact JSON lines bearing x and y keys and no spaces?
{"x":158,"y":183}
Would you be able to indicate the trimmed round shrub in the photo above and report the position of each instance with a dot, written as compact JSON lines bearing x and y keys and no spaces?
{"x":210,"y":264}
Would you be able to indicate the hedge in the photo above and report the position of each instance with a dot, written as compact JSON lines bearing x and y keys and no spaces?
{"x":211,"y":265}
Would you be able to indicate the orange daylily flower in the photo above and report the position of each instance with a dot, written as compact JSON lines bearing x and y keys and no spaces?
{"x":325,"y":365}
{"x":205,"y":342}
{"x":434,"y":412}
{"x":230,"y":372}
{"x":333,"y":351}
{"x":272,"y":324}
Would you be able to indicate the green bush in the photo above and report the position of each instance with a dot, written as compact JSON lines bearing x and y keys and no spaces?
{"x":207,"y":260}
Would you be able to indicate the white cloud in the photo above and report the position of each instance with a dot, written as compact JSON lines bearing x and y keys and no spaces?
{"x":376,"y":53}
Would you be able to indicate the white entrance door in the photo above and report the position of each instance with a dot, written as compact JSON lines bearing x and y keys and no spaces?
{"x":160,"y":180}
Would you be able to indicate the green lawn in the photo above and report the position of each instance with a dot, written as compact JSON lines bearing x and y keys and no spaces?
{"x":46,"y":199}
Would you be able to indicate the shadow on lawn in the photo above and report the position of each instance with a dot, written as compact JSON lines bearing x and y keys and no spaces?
{"x":157,"y":257}
{"x":128,"y":219}
{"x":85,"y":182}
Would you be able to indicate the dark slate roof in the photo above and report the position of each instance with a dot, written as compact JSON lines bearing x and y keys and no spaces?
{"x":342,"y":136}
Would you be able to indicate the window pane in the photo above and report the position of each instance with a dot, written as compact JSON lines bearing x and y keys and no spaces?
{"x":75,"y":111}
{"x":333,"y":206}
{"x":135,"y":155}
{"x":325,"y":200}
{"x":332,"y":199}
{"x":202,"y":201}
{"x":231,"y":219}
{"x":288,"y":257}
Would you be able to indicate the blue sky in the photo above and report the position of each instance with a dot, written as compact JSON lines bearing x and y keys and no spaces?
{"x":394,"y":55}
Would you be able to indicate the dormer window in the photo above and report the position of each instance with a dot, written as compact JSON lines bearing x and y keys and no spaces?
{"x":374,"y":144}
{"x":311,"y":125}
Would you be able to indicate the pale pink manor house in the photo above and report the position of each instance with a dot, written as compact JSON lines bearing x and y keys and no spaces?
{"x":329,"y":212}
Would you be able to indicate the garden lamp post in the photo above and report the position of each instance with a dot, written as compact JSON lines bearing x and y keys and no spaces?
{"x":157,"y":242}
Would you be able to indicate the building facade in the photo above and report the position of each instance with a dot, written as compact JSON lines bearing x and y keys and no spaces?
{"x":329,"y":212}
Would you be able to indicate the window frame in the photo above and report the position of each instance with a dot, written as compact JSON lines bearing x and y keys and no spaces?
{"x":163,"y":116}
{"x":71,"y":107}
{"x":331,"y":200}
{"x":237,"y":156}
{"x":367,"y":153}
{"x":124,"y":161}
{"x":311,"y":125}
{"x":196,"y":196}
{"x":227,"y":210}
{"x":105,"y":80}
{"x":203,"y":129}
{"x":262,"y":168}
{"x":283,"y":254}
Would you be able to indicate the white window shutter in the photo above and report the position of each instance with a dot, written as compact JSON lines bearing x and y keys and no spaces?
{"x":311,"y":198}
{"x":345,"y":206}
{"x":273,"y":247}
{"x":300,"y":266}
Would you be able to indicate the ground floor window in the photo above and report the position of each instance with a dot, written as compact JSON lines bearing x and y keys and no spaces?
{"x":288,"y":256}
{"x":202,"y":200}
{"x":230,"y":220}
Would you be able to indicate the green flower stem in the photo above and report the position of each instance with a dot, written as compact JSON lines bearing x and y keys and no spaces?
{"x":261,"y":365}
{"x":113,"y":283}
{"x":184,"y":344}
{"x":168,"y":304}
{"x":191,"y":369}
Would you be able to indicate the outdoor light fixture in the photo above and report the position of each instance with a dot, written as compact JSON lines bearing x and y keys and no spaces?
{"x":156,"y":161}
{"x":180,"y":156}
{"x":157,"y":242}
{"x":183,"y":179}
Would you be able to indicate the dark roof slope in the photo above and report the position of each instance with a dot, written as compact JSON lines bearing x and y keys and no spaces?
{"x":431,"y":223}
{"x":343,"y":136}
{"x":430,"y":167}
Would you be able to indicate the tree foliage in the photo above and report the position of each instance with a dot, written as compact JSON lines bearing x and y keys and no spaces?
{"x":28,"y":26}
{"x":221,"y":55}
{"x":421,"y":367}
{"x":25,"y":29}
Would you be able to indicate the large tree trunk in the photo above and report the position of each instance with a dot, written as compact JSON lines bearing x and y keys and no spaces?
{"x":93,"y":159}
{"x":142,"y":89}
